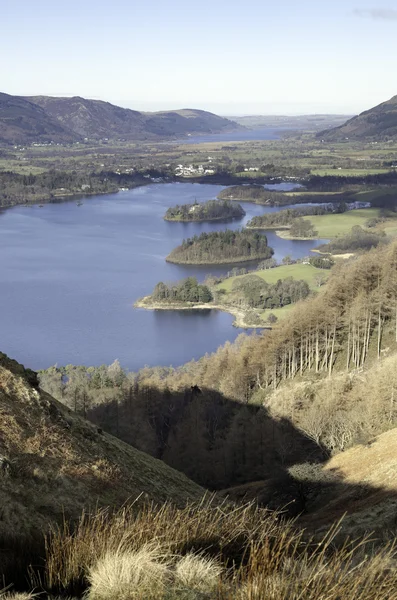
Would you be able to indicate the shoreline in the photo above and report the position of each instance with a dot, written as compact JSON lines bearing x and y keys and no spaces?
{"x":238,"y":314}
{"x":224,"y":219}
{"x":270,"y":228}
{"x":282,"y":233}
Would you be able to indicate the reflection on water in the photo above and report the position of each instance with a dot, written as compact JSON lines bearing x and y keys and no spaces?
{"x":70,"y":274}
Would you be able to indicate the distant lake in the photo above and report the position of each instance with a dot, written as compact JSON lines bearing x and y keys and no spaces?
{"x":240,"y":135}
{"x":70,"y":274}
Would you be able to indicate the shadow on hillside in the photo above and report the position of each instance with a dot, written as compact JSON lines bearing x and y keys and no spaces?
{"x":214,"y":440}
{"x":237,"y":449}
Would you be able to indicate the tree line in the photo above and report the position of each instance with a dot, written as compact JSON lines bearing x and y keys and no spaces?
{"x":356,"y":240}
{"x":285,"y":218}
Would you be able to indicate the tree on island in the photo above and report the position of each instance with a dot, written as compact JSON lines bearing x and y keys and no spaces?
{"x":302,"y":229}
{"x":187,"y":290}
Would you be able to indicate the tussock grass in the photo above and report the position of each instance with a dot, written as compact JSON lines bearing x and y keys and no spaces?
{"x":212,"y":551}
{"x":126,"y":575}
{"x":196,"y":572}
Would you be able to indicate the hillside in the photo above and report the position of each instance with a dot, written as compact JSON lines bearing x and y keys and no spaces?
{"x":95,"y":119}
{"x":54,"y":463}
{"x":24,"y":122}
{"x":369,"y":492}
{"x":379,"y":122}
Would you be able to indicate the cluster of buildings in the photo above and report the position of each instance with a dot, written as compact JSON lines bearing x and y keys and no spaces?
{"x":191,"y":171}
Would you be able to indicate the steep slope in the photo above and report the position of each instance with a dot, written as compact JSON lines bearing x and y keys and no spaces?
{"x":22,"y":121}
{"x":54,"y":463}
{"x":379,"y":122}
{"x":96,"y":119}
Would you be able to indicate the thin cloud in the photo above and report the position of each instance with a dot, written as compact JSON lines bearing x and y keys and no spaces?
{"x":386,"y":14}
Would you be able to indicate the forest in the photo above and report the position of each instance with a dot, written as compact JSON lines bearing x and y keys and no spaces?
{"x":221,"y":247}
{"x":213,"y":210}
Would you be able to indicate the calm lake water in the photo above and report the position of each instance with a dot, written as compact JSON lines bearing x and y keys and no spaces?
{"x":243,"y":135}
{"x":70,"y":274}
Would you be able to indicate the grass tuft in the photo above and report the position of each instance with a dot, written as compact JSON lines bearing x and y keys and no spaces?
{"x":129,"y":575}
{"x":196,"y":572}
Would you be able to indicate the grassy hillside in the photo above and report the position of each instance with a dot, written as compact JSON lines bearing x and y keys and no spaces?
{"x":53,"y":464}
{"x":379,"y":122}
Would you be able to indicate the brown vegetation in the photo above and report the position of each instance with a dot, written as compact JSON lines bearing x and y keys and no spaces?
{"x":212,"y":552}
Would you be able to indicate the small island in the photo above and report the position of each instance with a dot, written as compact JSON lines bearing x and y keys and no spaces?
{"x":213,"y":210}
{"x":221,"y":247}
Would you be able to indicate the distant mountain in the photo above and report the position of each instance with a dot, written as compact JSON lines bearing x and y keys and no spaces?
{"x":95,"y":119}
{"x":291,"y":122}
{"x":24,"y":122}
{"x":377,"y":123}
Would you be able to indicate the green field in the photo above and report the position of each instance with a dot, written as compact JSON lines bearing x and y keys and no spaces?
{"x":297,"y":271}
{"x":347,"y":172}
{"x":330,"y":226}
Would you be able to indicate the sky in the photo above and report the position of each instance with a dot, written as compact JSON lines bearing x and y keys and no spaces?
{"x":227,"y":56}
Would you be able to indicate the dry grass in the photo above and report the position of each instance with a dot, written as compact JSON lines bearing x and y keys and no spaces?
{"x":195,"y":572}
{"x":214,"y":552}
{"x":129,"y":575}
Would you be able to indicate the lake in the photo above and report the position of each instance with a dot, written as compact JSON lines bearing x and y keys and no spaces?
{"x":70,"y":274}
{"x":240,"y":135}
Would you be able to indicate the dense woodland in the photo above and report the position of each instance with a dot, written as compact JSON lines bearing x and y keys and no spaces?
{"x":213,"y":210}
{"x":187,"y":290}
{"x":222,"y":247}
{"x":227,"y":417}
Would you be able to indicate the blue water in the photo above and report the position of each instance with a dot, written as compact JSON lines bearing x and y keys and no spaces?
{"x":240,"y":135}
{"x":70,"y":274}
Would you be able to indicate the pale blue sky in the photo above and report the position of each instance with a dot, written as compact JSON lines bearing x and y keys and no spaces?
{"x":232,"y":57}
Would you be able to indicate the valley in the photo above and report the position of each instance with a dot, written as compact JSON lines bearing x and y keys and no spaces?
{"x":156,"y":434}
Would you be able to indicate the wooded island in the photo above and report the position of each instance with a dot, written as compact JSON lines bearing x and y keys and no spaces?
{"x":221,"y":247}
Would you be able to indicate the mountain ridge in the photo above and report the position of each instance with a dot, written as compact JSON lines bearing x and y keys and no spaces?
{"x":379,"y":122}
{"x":29,"y":119}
